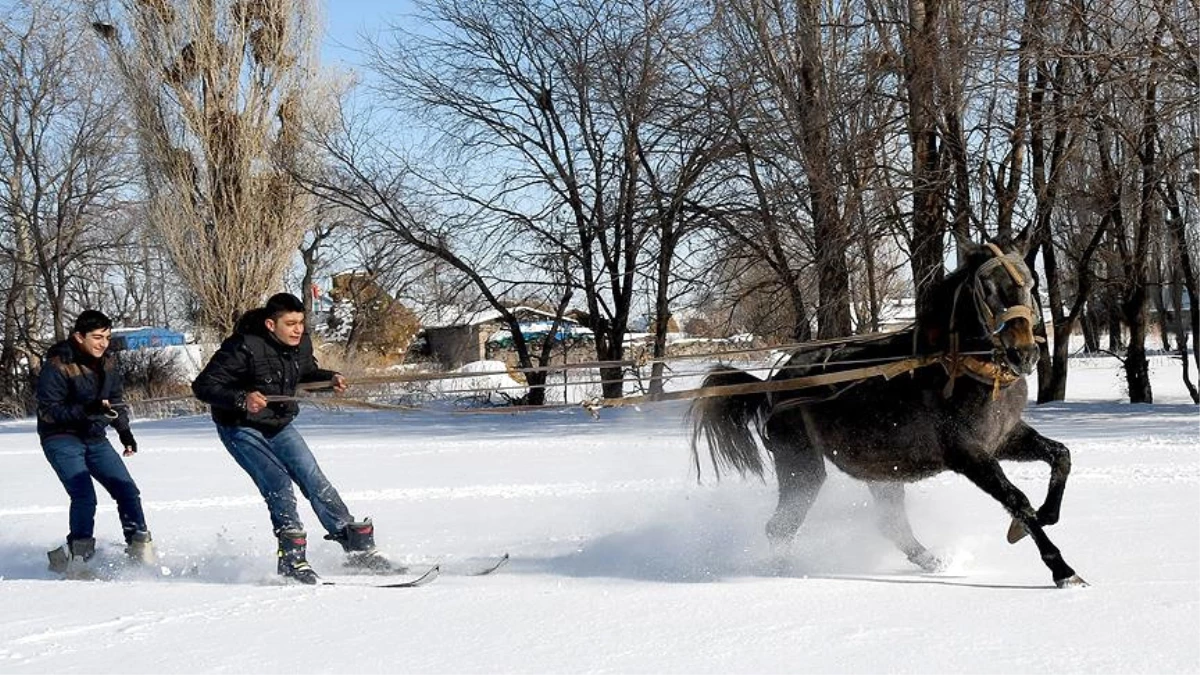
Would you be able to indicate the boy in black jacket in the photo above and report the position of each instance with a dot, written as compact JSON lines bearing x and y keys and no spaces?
{"x":79,"y":395}
{"x":268,"y":355}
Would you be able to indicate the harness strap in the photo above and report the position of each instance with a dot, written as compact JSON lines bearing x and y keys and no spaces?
{"x":1015,"y":312}
{"x":979,"y":370}
{"x":887,"y":371}
{"x":1004,"y":260}
{"x":952,"y":369}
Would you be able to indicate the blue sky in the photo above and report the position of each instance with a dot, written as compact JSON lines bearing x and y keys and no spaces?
{"x":347,"y":20}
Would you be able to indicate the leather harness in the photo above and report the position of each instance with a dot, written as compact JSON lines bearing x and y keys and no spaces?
{"x":955,"y":363}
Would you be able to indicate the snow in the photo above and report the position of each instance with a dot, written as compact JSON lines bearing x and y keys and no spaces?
{"x":491,"y":383}
{"x":621,"y":561}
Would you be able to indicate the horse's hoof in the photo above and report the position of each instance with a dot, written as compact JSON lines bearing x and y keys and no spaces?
{"x":1016,"y":531}
{"x":928,"y":562}
{"x":780,"y":547}
{"x":779,"y":567}
{"x":1073,"y":581}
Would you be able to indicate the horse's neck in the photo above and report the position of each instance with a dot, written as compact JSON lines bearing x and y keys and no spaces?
{"x":940,"y":337}
{"x":951,"y":323}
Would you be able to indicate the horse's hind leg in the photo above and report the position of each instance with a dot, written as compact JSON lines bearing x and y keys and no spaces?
{"x":800,"y":470}
{"x":987,"y":474}
{"x":1027,"y":445}
{"x":893,"y":522}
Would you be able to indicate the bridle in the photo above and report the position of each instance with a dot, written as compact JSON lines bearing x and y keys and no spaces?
{"x":995,"y":371}
{"x":1019,"y":272}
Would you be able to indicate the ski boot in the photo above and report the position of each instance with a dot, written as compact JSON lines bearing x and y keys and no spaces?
{"x":358,"y":540}
{"x":292,"y":562}
{"x":140,"y":548}
{"x":71,"y":559}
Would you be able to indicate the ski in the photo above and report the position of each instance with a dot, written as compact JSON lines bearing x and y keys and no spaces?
{"x":471,"y":567}
{"x":428,"y":577}
{"x":482,"y":566}
{"x":488,"y":569}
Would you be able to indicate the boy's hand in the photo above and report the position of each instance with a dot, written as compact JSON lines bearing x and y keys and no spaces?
{"x":128,"y":441}
{"x":339,"y":383}
{"x":255,"y":402}
{"x":99,"y":410}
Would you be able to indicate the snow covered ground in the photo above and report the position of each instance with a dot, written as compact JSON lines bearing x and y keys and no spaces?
{"x":621,"y":562}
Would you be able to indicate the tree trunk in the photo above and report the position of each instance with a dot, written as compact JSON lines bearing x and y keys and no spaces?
{"x":928,"y":225}
{"x":1137,"y":368}
{"x":1176,"y":229}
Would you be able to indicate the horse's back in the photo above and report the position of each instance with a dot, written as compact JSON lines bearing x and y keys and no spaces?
{"x":898,"y":429}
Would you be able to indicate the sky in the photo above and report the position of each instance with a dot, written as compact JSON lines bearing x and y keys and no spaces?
{"x":348,"y":21}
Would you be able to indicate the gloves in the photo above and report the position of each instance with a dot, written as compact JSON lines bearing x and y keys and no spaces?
{"x":99,"y":410}
{"x":127,"y":441}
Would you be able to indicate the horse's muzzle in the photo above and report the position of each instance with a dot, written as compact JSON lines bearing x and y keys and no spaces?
{"x":1021,"y":360}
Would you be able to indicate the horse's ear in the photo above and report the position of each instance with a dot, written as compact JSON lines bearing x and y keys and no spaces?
{"x":1020,"y":243}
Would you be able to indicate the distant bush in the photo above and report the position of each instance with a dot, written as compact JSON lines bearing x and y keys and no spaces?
{"x":156,"y":374}
{"x":22,"y":401}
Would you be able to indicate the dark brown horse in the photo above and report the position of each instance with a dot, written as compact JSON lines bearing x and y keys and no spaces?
{"x":958,"y":408}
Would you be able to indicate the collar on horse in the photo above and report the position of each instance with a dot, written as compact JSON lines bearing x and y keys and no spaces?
{"x":981,"y":370}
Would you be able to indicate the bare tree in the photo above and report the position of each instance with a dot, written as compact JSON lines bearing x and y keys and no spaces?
{"x":787,"y":48}
{"x":61,"y":152}
{"x":558,"y":103}
{"x":218,"y":90}
{"x":136,"y":280}
{"x":362,"y":175}
{"x":1179,"y":136}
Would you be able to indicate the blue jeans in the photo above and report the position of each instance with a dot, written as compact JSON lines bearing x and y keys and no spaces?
{"x":273,"y":463}
{"x":77,"y":461}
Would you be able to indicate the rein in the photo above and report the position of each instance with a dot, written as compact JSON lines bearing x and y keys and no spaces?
{"x":984,"y":371}
{"x":955,"y":362}
{"x":887,"y":371}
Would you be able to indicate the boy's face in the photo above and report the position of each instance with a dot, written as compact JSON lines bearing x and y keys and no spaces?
{"x":94,"y":342}
{"x":288,"y":328}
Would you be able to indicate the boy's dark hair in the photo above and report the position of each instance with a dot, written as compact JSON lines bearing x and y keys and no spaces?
{"x":282,"y":303}
{"x":90,"y":320}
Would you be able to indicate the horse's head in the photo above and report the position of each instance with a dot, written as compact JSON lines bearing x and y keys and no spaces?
{"x":1002,"y":288}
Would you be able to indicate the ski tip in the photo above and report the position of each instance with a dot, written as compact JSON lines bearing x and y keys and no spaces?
{"x":430,"y":574}
{"x":500,"y":562}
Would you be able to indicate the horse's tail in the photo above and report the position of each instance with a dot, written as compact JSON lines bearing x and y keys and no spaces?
{"x":725,"y":422}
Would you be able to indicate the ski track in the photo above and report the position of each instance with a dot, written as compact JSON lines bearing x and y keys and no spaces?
{"x":1141,"y":473}
{"x":504,"y":491}
{"x":78,"y":638}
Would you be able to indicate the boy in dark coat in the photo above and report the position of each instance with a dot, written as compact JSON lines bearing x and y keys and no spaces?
{"x":80,"y":395}
{"x":268,"y":356}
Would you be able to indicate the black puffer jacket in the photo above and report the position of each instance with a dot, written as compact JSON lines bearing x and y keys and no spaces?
{"x":69,"y":381}
{"x":253,"y":360}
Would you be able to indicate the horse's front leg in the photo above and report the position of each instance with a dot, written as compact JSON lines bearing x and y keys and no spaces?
{"x":985,"y":472}
{"x":893,"y":522}
{"x":1027,"y":445}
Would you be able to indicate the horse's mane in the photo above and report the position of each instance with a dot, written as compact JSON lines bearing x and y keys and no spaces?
{"x":933,"y":322}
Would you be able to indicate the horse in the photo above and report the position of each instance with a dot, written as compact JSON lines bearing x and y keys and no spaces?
{"x":949,"y":398}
